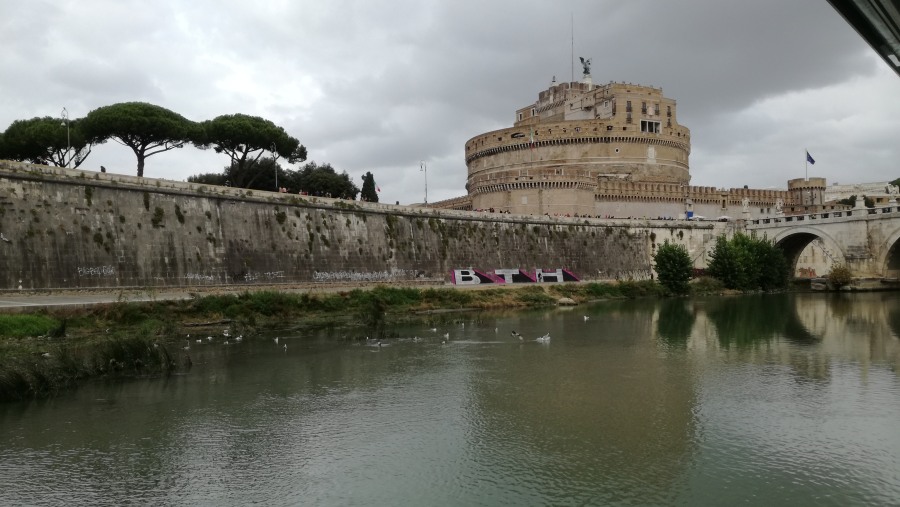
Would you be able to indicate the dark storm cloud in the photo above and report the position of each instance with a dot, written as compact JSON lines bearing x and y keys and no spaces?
{"x":380,"y":86}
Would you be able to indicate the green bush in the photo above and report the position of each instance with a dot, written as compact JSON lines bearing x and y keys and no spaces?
{"x":18,"y":326}
{"x":748,"y":263}
{"x":674,"y":267}
{"x":840,"y":276}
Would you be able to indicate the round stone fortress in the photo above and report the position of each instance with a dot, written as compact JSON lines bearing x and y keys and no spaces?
{"x":612,"y":150}
{"x":574,"y":136}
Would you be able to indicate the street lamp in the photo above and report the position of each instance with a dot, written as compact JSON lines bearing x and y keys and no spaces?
{"x":424,"y":168}
{"x":275,"y":162}
{"x":65,"y":117}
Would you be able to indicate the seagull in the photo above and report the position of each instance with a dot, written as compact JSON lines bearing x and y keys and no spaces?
{"x":543,"y":339}
{"x":188,"y":346}
{"x":45,"y":354}
{"x":276,"y":340}
{"x":226,"y":332}
{"x":285,"y":347}
{"x":209,"y":338}
{"x":586,"y":318}
{"x":433,"y":330}
{"x":239,"y":338}
{"x":447,"y":335}
{"x":199,"y":340}
{"x":516,"y":335}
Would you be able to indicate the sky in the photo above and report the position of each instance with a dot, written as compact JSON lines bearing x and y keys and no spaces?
{"x":384,"y":86}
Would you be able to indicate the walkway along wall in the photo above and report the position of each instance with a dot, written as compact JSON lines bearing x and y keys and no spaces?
{"x":64,"y":228}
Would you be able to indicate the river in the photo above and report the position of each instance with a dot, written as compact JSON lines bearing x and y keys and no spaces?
{"x":755,"y":400}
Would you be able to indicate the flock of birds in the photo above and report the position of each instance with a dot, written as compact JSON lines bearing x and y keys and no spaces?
{"x":227,"y":339}
{"x":226,"y":334}
{"x":445,"y":337}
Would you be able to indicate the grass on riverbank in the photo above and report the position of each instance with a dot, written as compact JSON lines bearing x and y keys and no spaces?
{"x":44,"y":352}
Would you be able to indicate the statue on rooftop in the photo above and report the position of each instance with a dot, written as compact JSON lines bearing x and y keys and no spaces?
{"x":585,"y":65}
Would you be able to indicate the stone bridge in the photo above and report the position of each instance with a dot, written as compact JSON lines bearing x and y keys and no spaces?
{"x":864,"y":239}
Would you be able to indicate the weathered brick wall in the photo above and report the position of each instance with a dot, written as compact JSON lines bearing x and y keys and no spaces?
{"x":66,"y":228}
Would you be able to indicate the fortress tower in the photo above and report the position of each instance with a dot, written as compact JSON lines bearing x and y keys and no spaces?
{"x":613,"y":150}
{"x":573,"y":137}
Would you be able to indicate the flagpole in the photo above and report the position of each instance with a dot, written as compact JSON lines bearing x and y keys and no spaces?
{"x":806,"y":161}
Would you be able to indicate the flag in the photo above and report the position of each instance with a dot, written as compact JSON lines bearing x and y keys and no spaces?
{"x":809,"y":158}
{"x":378,"y":189}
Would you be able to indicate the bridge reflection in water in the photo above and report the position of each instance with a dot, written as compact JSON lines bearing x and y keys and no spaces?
{"x":782,"y":399}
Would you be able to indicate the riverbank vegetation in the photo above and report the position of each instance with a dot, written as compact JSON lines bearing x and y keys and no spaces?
{"x":42,"y":353}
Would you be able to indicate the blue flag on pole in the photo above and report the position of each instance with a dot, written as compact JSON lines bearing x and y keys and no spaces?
{"x":809,"y":158}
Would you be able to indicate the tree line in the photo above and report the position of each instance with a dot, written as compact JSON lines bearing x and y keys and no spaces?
{"x":148,"y":130}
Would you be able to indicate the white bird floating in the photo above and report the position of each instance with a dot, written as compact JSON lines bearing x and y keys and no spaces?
{"x":209,"y":338}
{"x":285,"y":347}
{"x":276,"y":340}
{"x":516,"y":335}
{"x":433,"y":330}
{"x":447,"y":335}
{"x":586,"y":318}
{"x":543,"y":339}
{"x":239,"y":338}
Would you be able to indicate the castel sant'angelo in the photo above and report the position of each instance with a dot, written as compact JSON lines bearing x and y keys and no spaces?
{"x":612,"y":150}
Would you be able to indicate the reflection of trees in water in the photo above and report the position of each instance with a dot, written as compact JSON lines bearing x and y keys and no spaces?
{"x":840,"y":306}
{"x":676,"y":321}
{"x":744,"y":321}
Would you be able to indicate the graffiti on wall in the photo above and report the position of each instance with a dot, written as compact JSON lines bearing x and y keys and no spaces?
{"x":472,"y":276}
{"x":364,"y":276}
{"x":97,"y":271}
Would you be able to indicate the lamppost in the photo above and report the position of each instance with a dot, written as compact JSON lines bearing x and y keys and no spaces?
{"x":275,"y":163}
{"x":65,"y":117}
{"x":424,"y":168}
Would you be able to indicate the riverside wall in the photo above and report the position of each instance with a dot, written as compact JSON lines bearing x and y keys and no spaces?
{"x":63,"y":228}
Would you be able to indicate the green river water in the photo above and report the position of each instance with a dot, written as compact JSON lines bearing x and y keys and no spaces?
{"x":752,"y":400}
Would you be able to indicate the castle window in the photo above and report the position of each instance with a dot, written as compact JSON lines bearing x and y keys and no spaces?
{"x":520,"y":116}
{"x":532,"y":111}
{"x":669,"y":111}
{"x":628,"y":106}
{"x":651,"y":127}
{"x":643,"y":108}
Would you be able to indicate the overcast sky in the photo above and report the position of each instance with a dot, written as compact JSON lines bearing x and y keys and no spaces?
{"x":382,"y":85}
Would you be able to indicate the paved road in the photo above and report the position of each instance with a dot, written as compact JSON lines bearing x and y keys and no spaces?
{"x":24,"y":301}
{"x":18,"y":301}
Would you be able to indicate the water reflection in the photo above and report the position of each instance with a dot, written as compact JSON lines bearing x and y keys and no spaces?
{"x":686,"y":401}
{"x":746,"y":321}
{"x":676,"y":321}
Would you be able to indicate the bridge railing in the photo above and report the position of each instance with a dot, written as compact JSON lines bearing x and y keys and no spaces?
{"x":825,"y":215}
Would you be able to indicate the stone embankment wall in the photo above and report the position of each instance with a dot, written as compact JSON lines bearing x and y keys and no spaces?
{"x":64,"y":228}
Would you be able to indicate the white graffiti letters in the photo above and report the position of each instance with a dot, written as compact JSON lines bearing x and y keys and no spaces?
{"x":97,"y":271}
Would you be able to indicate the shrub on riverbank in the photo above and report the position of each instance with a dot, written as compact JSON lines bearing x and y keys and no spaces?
{"x":134,"y":338}
{"x":47,"y":367}
{"x":20,"y":325}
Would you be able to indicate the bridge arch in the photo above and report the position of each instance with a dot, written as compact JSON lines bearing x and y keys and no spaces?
{"x":794,"y":241}
{"x":889,"y":259}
